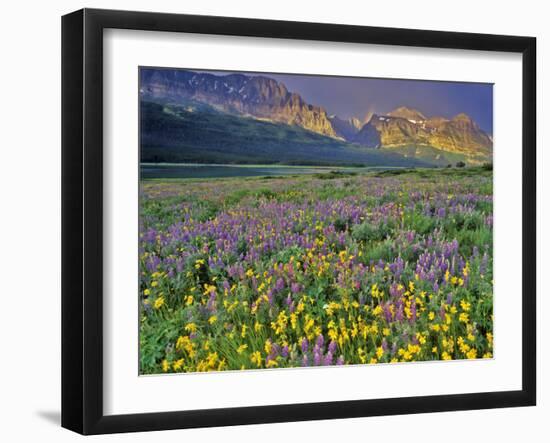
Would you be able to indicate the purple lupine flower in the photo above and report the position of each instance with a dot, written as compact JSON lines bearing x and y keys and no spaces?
{"x":284,"y":351}
{"x":483,"y":264}
{"x":320,"y":341}
{"x":295,"y":288}
{"x":399,"y":312}
{"x":340,"y":360}
{"x":305,"y":345}
{"x":305,"y":361}
{"x":332,"y":347}
{"x":387,"y":312}
{"x":316,"y":358}
{"x":328,"y":359}
{"x":413,"y":311}
{"x":153,"y":263}
{"x":429,"y":242}
{"x":211,"y":305}
{"x":275,"y":350}
{"x":279,"y":284}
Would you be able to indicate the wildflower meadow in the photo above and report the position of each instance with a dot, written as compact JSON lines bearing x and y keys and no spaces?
{"x":315,"y":269}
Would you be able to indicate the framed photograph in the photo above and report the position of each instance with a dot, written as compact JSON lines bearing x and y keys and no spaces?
{"x":270,"y":221}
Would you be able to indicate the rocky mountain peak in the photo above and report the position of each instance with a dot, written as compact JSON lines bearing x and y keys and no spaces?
{"x":462,"y":117}
{"x":409,"y":127}
{"x":407,"y":113}
{"x":256,"y":96}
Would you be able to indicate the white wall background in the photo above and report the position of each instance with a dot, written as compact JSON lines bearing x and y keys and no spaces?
{"x":30,"y":218}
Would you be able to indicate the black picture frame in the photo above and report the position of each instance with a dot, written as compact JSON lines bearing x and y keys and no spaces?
{"x":82,"y":218}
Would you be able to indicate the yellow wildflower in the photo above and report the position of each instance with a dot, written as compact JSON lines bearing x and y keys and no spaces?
{"x":293,"y":320}
{"x":191,"y":327}
{"x":177,"y":364}
{"x":256,"y":358}
{"x":159,"y":303}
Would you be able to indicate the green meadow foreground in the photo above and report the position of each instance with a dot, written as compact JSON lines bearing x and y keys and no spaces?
{"x":333,"y":268}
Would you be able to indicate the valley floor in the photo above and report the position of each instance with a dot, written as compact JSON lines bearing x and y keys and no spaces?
{"x":315,"y":269}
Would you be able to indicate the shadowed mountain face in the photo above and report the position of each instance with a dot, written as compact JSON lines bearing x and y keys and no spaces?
{"x":345,"y":129}
{"x":260,"y":98}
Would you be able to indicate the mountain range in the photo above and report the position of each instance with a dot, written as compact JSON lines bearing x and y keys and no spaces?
{"x":260,"y":119}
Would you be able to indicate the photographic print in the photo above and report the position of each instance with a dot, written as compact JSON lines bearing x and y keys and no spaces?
{"x":292,"y":221}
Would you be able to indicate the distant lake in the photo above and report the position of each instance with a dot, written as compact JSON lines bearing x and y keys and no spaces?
{"x":195,"y":170}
